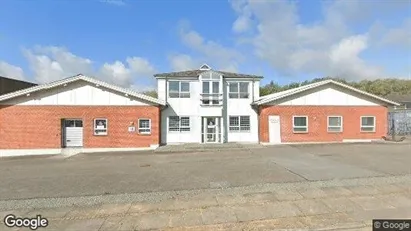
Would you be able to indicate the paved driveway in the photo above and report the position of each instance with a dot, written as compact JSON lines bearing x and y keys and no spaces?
{"x":116,"y":173}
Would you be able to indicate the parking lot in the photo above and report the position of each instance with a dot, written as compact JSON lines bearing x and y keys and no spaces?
{"x":116,"y":173}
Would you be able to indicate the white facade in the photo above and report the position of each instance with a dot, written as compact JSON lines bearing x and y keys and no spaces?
{"x":76,"y":94}
{"x":200,"y":107}
{"x":329,"y":96}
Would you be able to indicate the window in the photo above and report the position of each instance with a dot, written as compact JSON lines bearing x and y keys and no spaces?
{"x":178,"y":89}
{"x":334,"y":124}
{"x":100,"y":127}
{"x":300,"y":124}
{"x":239,"y":124}
{"x":178,"y":124}
{"x":144,"y":126}
{"x":367,"y":123}
{"x":238,"y":90}
{"x":211,"y":93}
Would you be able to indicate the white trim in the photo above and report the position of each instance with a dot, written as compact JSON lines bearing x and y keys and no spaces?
{"x":328,"y":124}
{"x":306,"y":118}
{"x":97,"y":83}
{"x":149,"y":124}
{"x":238,"y":91}
{"x":205,"y":68}
{"x":29,"y":152}
{"x":290,"y":92}
{"x":94,"y":127}
{"x":367,"y":126}
{"x":179,"y":92}
{"x":325,"y":142}
{"x":72,"y":151}
{"x":239,"y":124}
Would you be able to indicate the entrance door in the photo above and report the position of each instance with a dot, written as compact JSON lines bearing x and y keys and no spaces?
{"x":274,"y":129}
{"x":72,"y":133}
{"x":210,"y":130}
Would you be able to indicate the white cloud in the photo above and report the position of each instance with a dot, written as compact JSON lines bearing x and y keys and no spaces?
{"x":328,"y":46}
{"x":345,"y":59}
{"x":50,"y":63}
{"x":400,"y":36}
{"x":114,"y":2}
{"x":210,"y":51}
{"x":182,"y":62}
{"x":11,"y":71}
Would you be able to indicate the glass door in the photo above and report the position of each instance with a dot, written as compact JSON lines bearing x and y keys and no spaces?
{"x":211,"y":130}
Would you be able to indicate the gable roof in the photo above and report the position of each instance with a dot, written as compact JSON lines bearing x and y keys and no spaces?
{"x":86,"y":79}
{"x":290,"y":92}
{"x":8,"y":85}
{"x":196,"y":73}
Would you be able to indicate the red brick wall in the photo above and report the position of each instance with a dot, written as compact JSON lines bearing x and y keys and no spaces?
{"x":317,"y":122}
{"x":30,"y":127}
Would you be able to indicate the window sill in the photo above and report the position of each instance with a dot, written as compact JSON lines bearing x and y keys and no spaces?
{"x":335,"y":131}
{"x":367,"y":132}
{"x":100,"y":134}
{"x":300,"y":132}
{"x":144,"y":133}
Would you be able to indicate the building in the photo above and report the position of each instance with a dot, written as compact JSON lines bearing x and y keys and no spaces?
{"x":8,"y":85}
{"x":82,"y":114}
{"x":326,"y":111}
{"x":208,"y":106}
{"x":77,"y":114}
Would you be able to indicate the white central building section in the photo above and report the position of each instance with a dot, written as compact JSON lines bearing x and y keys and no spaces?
{"x":208,"y":106}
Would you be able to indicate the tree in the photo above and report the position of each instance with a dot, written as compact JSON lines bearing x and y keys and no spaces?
{"x":380,"y":87}
{"x":152,"y":93}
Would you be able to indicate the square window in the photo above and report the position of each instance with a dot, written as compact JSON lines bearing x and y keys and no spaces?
{"x":300,"y":124}
{"x":100,"y":127}
{"x":367,"y":124}
{"x":144,"y":126}
{"x":334,"y":124}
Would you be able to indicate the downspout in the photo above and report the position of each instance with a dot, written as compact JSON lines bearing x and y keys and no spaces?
{"x":162,"y":108}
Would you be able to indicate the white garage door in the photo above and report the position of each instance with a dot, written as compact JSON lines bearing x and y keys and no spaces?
{"x":73,"y":133}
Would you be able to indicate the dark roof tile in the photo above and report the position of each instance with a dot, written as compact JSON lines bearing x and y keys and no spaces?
{"x":195,"y":73}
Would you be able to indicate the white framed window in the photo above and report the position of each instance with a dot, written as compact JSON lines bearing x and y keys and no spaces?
{"x":144,"y":126}
{"x":179,"y":89}
{"x":367,"y":124}
{"x":238,"y":90}
{"x":239,"y":123}
{"x":300,"y":124}
{"x":178,"y":124}
{"x":100,"y":126}
{"x":334,"y":124}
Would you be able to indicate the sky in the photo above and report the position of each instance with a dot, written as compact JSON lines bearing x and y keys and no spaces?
{"x":125,"y":42}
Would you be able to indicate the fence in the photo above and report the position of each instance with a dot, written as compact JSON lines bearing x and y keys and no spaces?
{"x":399,"y":122}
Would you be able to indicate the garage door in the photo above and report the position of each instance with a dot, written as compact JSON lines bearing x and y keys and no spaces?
{"x":73,"y":133}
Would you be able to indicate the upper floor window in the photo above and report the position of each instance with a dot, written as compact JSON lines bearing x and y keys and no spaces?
{"x":238,"y":90}
{"x":179,"y":89}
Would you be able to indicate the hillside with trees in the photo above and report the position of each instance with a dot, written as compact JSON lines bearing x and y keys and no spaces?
{"x":395,"y":89}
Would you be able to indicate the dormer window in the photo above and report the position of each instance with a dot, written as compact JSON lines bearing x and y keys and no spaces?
{"x":205,"y":67}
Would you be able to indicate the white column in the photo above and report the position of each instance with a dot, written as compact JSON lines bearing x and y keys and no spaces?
{"x":204,"y":129}
{"x":222,"y":129}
